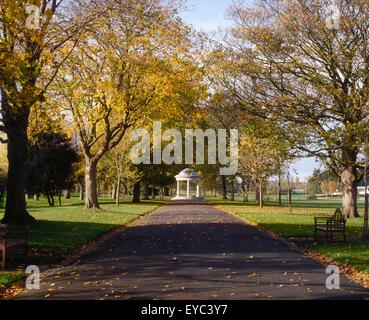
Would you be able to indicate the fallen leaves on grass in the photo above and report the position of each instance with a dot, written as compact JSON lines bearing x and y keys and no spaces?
{"x":12,"y":291}
{"x":346,"y":269}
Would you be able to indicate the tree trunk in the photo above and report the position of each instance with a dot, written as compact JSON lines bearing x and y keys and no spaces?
{"x":260,"y":196}
{"x":67,"y":194}
{"x":60,"y":199}
{"x":290,"y":199}
{"x":146,"y":192}
{"x":136,"y":192}
{"x":36,"y":197}
{"x":366,"y":196}
{"x":98,"y":186}
{"x":114,"y":191}
{"x":153,"y":192}
{"x":289,"y":193}
{"x":81,"y":191}
{"x":162,"y":193}
{"x":248,"y":187}
{"x":280,"y":190}
{"x":91,"y":201}
{"x":232,"y":190}
{"x":117,"y":192}
{"x":349,"y":186}
{"x":224,"y":187}
{"x":15,"y":208}
{"x":50,"y":199}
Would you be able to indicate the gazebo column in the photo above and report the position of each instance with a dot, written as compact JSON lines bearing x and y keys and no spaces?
{"x":188,"y":188}
{"x":198,"y":190}
{"x":178,"y":189}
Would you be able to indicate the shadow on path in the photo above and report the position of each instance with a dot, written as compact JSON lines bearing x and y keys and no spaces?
{"x":193,"y":252}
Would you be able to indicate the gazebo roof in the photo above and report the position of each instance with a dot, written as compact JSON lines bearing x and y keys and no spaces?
{"x":188,"y":174}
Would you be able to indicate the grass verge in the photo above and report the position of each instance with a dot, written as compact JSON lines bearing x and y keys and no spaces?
{"x":299,"y":225}
{"x":59,"y":231}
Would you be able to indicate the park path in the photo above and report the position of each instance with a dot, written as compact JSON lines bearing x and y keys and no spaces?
{"x":193,"y":252}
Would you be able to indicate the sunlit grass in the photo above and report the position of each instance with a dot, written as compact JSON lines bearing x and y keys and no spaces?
{"x":300,"y":224}
{"x":70,"y":226}
{"x":7,"y":278}
{"x":65,"y":228}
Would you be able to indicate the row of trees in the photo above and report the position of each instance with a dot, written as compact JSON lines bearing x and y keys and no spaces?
{"x":96,"y":67}
{"x":281,"y":63}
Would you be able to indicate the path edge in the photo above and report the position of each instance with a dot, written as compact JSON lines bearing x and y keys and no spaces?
{"x":18,"y":287}
{"x":352,"y":273}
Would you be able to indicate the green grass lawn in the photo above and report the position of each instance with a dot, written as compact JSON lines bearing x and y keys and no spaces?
{"x":59,"y":230}
{"x":300,"y":224}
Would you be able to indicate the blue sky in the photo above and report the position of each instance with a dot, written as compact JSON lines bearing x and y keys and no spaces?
{"x":207,"y":15}
{"x":210,"y":15}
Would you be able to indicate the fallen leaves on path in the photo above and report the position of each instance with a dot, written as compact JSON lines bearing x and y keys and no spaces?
{"x":254,"y":275}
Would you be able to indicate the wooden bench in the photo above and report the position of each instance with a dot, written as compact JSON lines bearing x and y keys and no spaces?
{"x":331,"y":228}
{"x":12,"y":237}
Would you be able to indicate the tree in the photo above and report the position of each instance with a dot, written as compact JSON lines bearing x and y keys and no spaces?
{"x":264,"y":152}
{"x":257,"y":158}
{"x":318,"y":177}
{"x":328,"y":187}
{"x":222,"y":113}
{"x":118,"y":169}
{"x":30,"y":56}
{"x":50,"y":165}
{"x":2,"y":186}
{"x":287,"y":65}
{"x":117,"y":76}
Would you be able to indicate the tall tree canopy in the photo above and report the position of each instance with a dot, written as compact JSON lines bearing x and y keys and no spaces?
{"x":286,"y":65}
{"x":124,"y":71}
{"x":32,"y":44}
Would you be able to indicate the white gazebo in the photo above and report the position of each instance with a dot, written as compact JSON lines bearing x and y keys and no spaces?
{"x":188,"y":176}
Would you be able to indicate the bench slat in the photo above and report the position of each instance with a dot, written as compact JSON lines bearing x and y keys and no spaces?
{"x":335,"y":225}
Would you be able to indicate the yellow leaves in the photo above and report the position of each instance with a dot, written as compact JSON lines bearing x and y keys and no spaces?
{"x":41,"y":120}
{"x":48,"y":13}
{"x":259,"y":156}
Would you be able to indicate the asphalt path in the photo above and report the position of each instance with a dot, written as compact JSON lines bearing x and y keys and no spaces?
{"x":193,"y":251}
